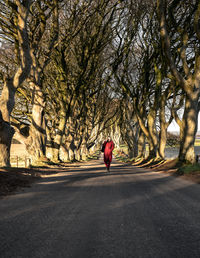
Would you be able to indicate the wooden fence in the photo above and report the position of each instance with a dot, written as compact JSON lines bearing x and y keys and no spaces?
{"x":19,"y":161}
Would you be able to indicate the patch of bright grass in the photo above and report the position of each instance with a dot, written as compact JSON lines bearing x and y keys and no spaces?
{"x":188,"y":169}
{"x":94,"y":156}
{"x":121,"y":156}
{"x":197,"y":142}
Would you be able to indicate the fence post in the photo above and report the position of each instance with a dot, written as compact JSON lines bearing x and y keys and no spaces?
{"x":17,"y":161}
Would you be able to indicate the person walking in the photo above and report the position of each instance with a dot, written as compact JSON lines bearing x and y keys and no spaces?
{"x":107,"y":148}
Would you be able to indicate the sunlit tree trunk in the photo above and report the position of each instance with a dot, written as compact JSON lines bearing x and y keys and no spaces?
{"x":49,"y":143}
{"x":36,"y":143}
{"x":72,"y":149}
{"x":190,"y":81}
{"x":37,"y":134}
{"x":7,"y":99}
{"x":84,"y":152}
{"x":59,"y":134}
{"x":6,"y":131}
{"x":152,"y":146}
{"x":141,"y":144}
{"x":163,"y":127}
{"x":64,"y":153}
{"x":78,"y":154}
{"x":190,"y":118}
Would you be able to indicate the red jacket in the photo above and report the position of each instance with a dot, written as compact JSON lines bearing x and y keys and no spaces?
{"x":109,"y":146}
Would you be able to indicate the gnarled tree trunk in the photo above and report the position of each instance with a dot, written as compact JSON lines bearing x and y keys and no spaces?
{"x":141,"y":145}
{"x":37,"y":133}
{"x":190,"y":118}
{"x":162,"y":141}
{"x":59,"y":134}
{"x":64,"y":153}
{"x":6,"y":134}
{"x":6,"y":131}
{"x":7,"y":99}
{"x":189,"y":79}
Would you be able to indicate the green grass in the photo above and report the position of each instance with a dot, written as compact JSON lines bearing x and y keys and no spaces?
{"x":189,"y":169}
{"x":121,"y":154}
{"x":197,"y":142}
{"x":94,"y":156}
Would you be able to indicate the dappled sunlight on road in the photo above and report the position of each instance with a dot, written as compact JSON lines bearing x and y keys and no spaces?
{"x":93,"y":175}
{"x":52,"y":182}
{"x":127,"y":210}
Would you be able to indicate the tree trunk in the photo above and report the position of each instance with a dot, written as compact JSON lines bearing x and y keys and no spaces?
{"x":162,"y":141}
{"x":6,"y":134}
{"x":72,"y":155}
{"x":10,"y":85}
{"x":141,"y":144}
{"x":152,"y":150}
{"x":190,"y":118}
{"x":49,"y":144}
{"x":6,"y":131}
{"x":59,"y":135}
{"x":190,"y":86}
{"x":78,"y":155}
{"x":64,"y":153}
{"x":84,"y":153}
{"x":150,"y":131}
{"x":163,"y":129}
{"x":153,"y":141}
{"x":131,"y":153}
{"x":37,"y":134}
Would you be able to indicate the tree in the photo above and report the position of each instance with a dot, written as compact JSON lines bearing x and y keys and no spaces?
{"x":78,"y":59}
{"x":13,"y":28}
{"x":129,"y":129}
{"x":180,"y":33}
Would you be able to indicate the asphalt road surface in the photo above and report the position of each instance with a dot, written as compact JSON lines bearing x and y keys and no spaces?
{"x":89,"y":213}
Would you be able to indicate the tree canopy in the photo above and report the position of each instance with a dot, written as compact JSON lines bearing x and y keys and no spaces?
{"x":74,"y":72}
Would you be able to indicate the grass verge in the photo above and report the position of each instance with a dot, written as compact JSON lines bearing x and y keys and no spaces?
{"x":189,"y":169}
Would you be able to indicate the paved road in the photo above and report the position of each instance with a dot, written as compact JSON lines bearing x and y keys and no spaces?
{"x":88,"y":213}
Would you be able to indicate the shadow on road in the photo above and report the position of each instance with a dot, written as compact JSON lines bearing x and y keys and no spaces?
{"x":87,"y":212}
